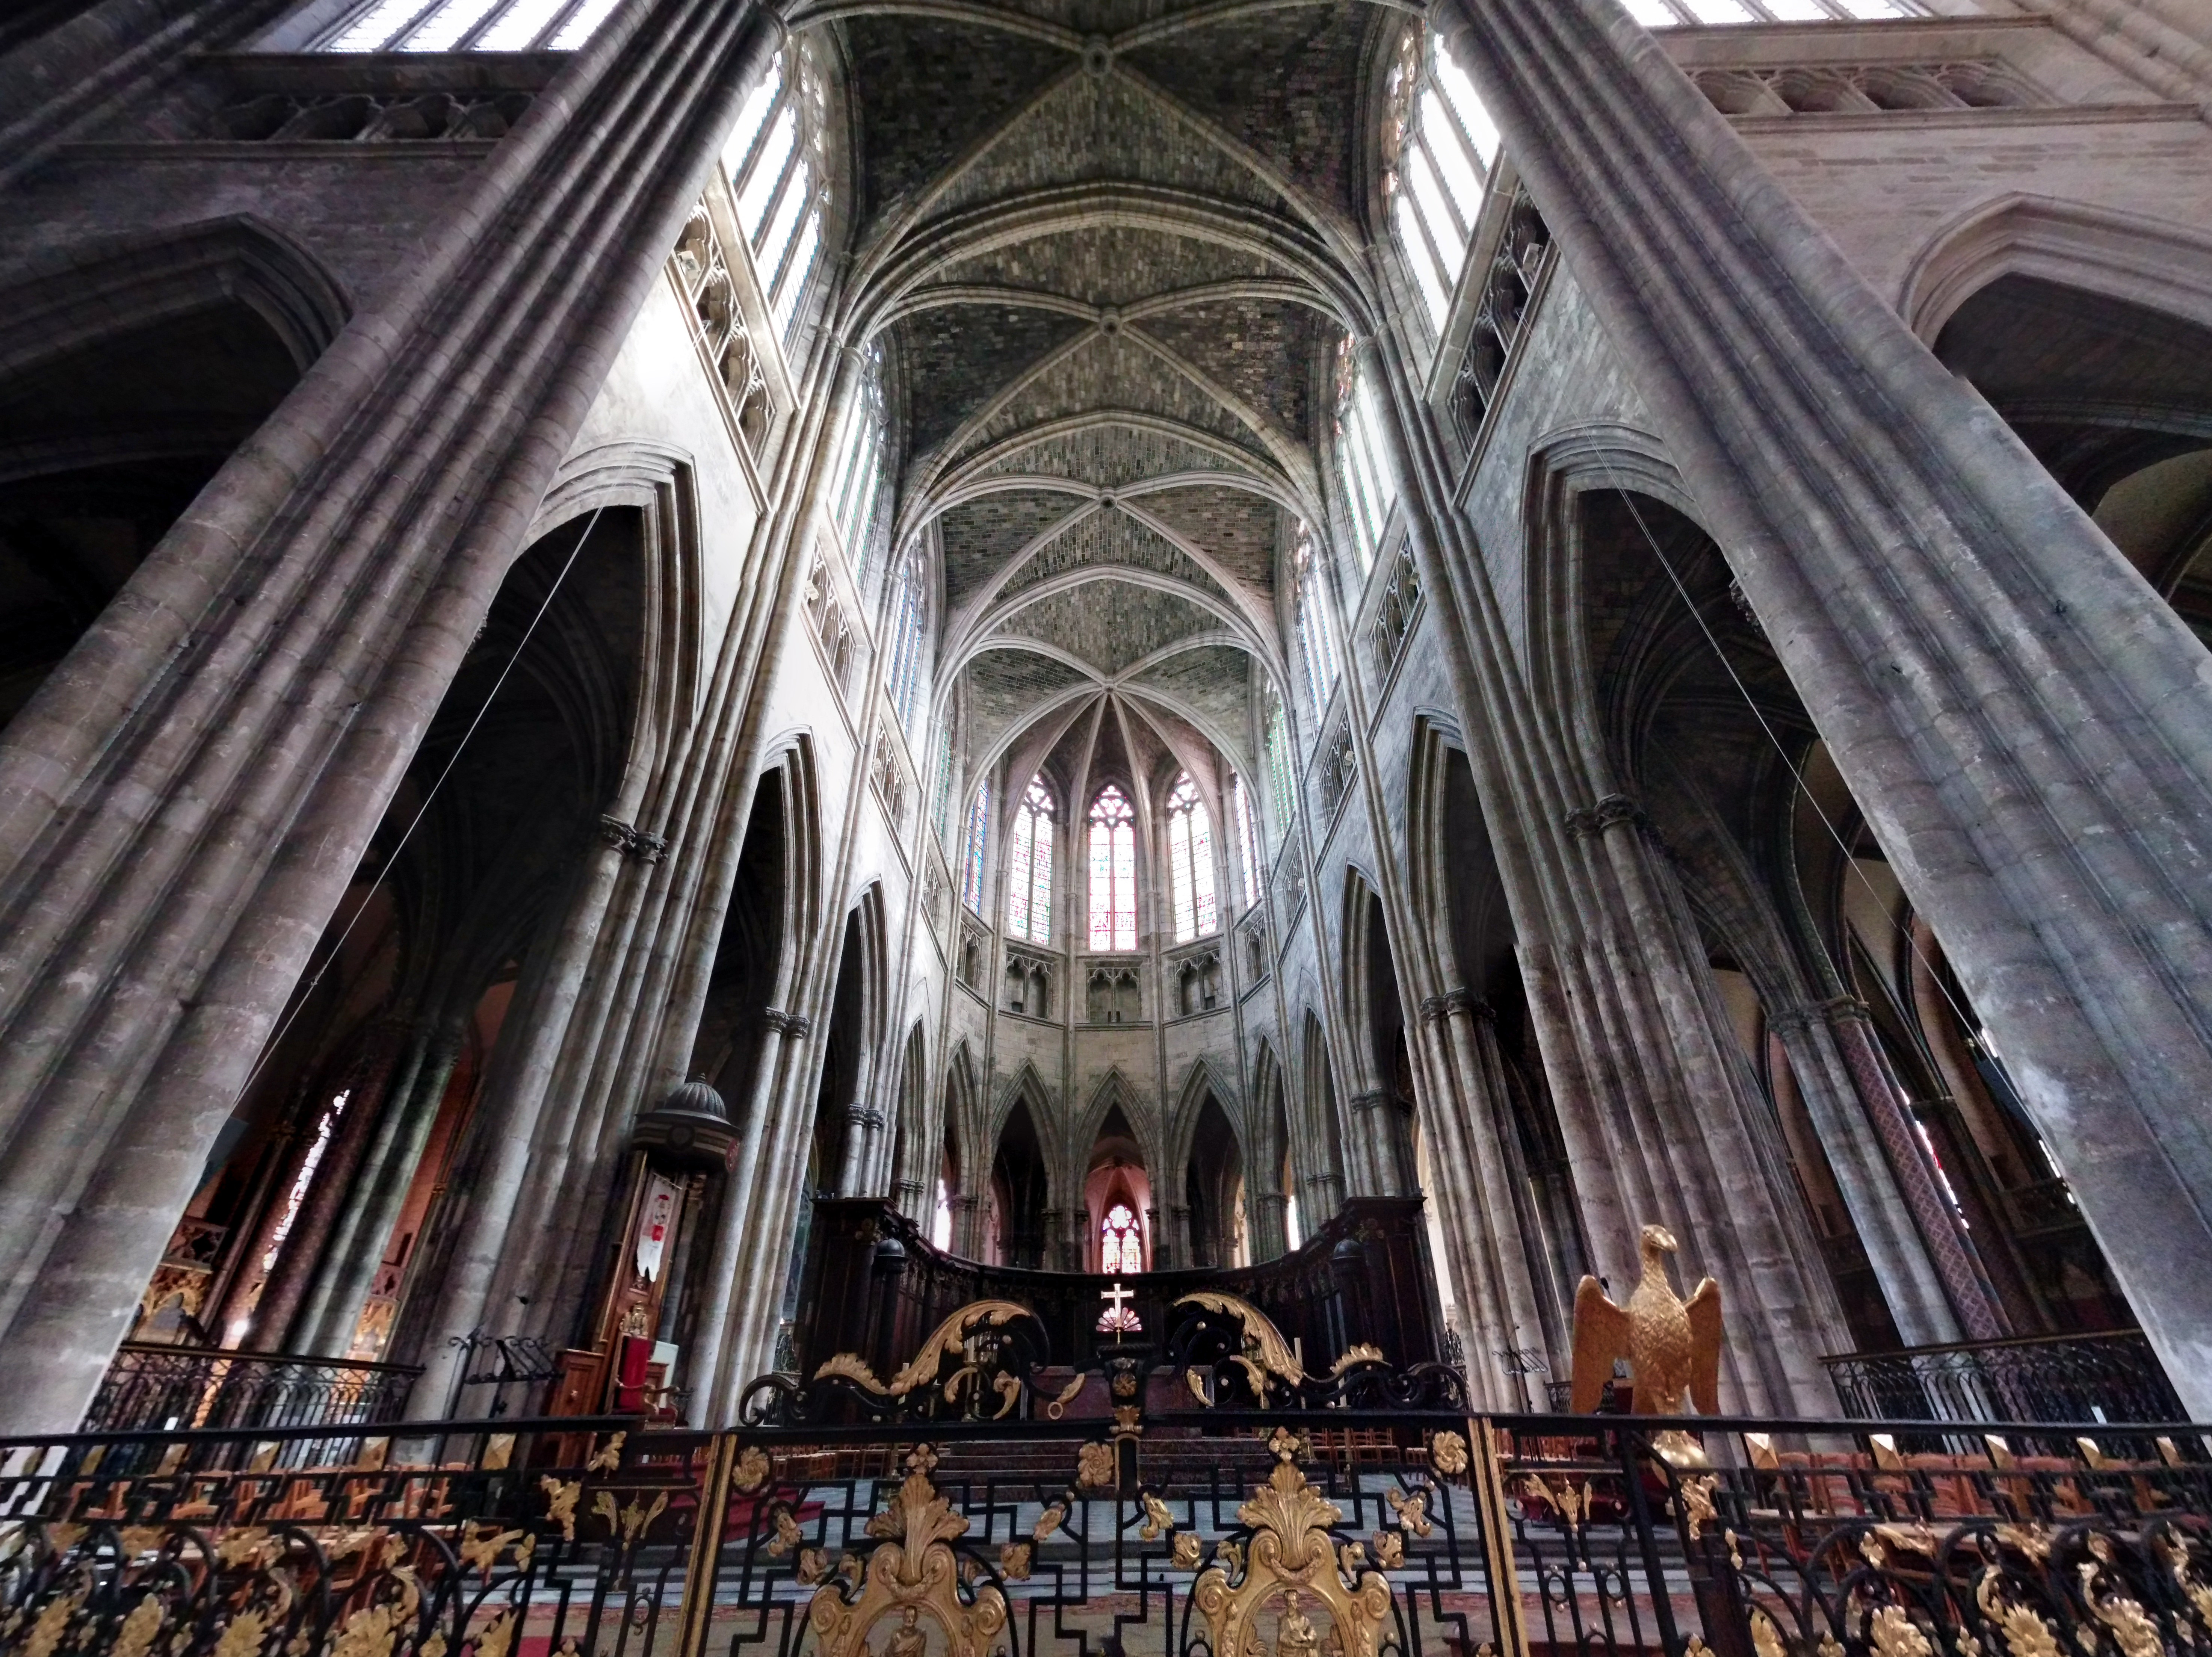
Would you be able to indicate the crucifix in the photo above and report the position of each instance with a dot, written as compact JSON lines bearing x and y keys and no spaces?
{"x":1116,"y":1297}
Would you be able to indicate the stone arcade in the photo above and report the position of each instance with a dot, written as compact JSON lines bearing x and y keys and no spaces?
{"x":684,"y":681}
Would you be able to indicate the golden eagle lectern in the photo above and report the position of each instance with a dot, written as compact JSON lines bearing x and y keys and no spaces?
{"x":1670,"y":1343}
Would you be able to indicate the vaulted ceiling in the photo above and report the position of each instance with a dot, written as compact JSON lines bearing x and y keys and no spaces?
{"x":1103,"y":246}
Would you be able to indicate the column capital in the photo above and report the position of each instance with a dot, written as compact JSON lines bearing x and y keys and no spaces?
{"x":795,"y":1024}
{"x":1435,"y":1008}
{"x":1607,"y":811}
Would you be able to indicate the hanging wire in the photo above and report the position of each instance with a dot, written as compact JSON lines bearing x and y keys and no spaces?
{"x":300,"y":999}
{"x":1797,"y":775}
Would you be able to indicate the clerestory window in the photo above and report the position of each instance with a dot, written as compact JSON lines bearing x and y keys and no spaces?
{"x":1674,"y":14}
{"x":910,"y":610}
{"x":1367,"y":495}
{"x":979,"y":834}
{"x":1248,"y":837}
{"x":467,"y":26}
{"x":1190,"y":862}
{"x":1445,"y":143}
{"x":856,"y":486}
{"x":1316,"y":639}
{"x":1029,"y":869}
{"x":1113,"y":871}
{"x":774,"y":160}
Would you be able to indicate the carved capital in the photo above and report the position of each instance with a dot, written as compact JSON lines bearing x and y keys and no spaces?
{"x":1610,"y":811}
{"x":1437,"y":1009}
{"x":1377,"y":1100}
{"x":647,"y":848}
{"x":788,"y":1024}
{"x":615,"y":834}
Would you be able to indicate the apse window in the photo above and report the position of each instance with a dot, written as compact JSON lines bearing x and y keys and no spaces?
{"x":1190,"y":861}
{"x":1113,"y":871}
{"x":466,"y":26}
{"x":1445,"y":145}
{"x":1029,"y":869}
{"x":774,"y":160}
{"x":1121,"y":1246}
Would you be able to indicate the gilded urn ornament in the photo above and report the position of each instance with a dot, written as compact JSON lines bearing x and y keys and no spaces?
{"x":1670,"y":1343}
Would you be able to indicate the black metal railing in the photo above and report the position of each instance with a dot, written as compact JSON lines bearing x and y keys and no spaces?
{"x":2075,"y":1378}
{"x":1159,"y":1524}
{"x":159,"y":1387}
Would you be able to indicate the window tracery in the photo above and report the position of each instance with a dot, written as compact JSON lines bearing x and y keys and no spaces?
{"x":1278,"y":742}
{"x":856,"y":478}
{"x":1248,"y":837}
{"x":1367,"y":495}
{"x":469,"y":26}
{"x":1190,"y":861}
{"x":909,"y":608}
{"x":979,"y":834}
{"x":1674,"y":14}
{"x":1439,"y":147}
{"x":774,"y":161}
{"x":1029,"y":869}
{"x":1122,"y":1248}
{"x":1317,"y":638}
{"x":1113,"y":871}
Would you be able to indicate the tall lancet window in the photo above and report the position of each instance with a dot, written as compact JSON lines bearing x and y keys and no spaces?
{"x":1279,"y":764}
{"x":909,"y":608}
{"x":856,"y":475}
{"x":467,"y":26}
{"x":1367,"y":494}
{"x":1029,"y":869}
{"x":1668,"y":14}
{"x":1248,"y":837}
{"x":1113,"y":871}
{"x":1316,"y":639}
{"x":1445,"y":143}
{"x":774,"y":159}
{"x":1190,"y":861}
{"x":979,"y":834}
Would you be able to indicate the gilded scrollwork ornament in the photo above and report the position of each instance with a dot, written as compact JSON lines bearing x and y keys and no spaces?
{"x":912,"y":1574}
{"x":1294,"y":1560}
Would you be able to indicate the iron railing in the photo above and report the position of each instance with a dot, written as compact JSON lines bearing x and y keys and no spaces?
{"x":1160,"y":1524}
{"x":159,"y":1387}
{"x":2075,"y":1378}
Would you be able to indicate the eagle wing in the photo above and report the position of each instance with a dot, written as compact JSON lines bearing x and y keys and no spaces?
{"x":1601,"y":1335}
{"x":1704,"y":1307}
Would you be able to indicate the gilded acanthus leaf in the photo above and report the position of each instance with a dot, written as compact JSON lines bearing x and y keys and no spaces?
{"x":949,"y":1338}
{"x":1185,"y":1549}
{"x":560,"y":1503}
{"x":1412,"y":1507}
{"x":482,"y":1550}
{"x":1158,"y":1519}
{"x":53,"y":1622}
{"x":1765,"y":1637}
{"x":2025,"y":1635}
{"x":1047,"y":1522}
{"x":788,"y":1533}
{"x":609,"y":1457}
{"x":854,"y":1368}
{"x":140,"y":1629}
{"x":496,"y":1636}
{"x":1352,"y":1557}
{"x":1014,"y":1561}
{"x":1389,"y":1550}
{"x":2132,"y":1629}
{"x":813,"y":1566}
{"x":1896,"y":1634}
{"x":242,"y":1638}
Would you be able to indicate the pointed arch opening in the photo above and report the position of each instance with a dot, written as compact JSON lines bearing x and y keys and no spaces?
{"x":1214,"y":1191}
{"x":1014,"y":1220}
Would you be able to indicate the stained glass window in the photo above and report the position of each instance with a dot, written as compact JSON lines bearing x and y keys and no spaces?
{"x":1190,"y":861}
{"x":1113,"y":871}
{"x":304,"y":1181}
{"x":1248,"y":837}
{"x":979,"y":832}
{"x":1121,"y":1244}
{"x":1029,"y":869}
{"x":1279,"y":763}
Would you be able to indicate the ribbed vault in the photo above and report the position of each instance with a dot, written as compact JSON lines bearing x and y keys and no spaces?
{"x":1108,"y":248}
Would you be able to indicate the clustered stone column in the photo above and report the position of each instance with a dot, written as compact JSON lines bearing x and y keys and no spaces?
{"x":2026,"y":723}
{"x":275,"y":660}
